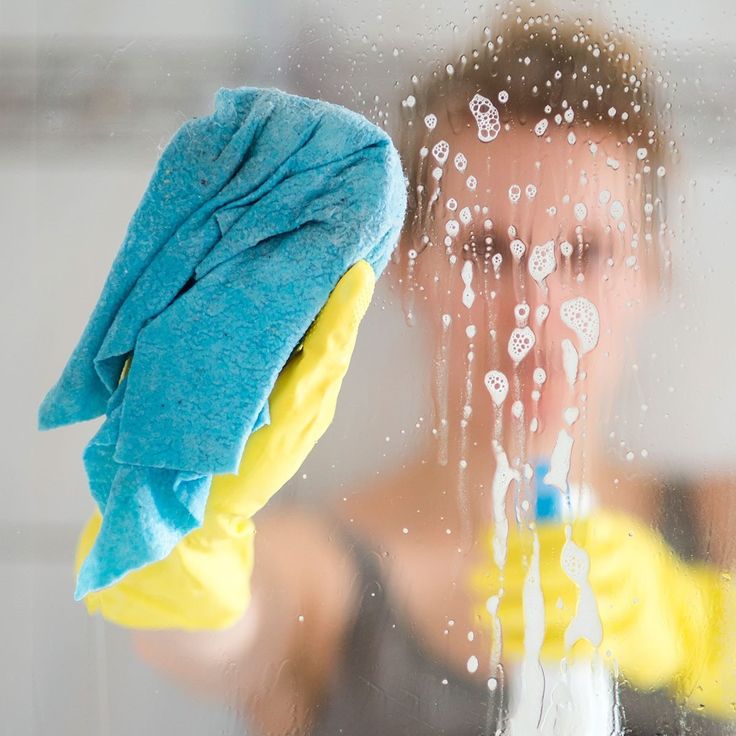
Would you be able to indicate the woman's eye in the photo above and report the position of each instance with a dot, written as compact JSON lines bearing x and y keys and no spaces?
{"x":588,"y":254}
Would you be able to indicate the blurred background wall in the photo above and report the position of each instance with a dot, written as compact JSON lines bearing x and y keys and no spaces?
{"x":90,"y":92}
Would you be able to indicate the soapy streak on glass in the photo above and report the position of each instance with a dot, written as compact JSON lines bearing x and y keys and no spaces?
{"x":579,"y":255}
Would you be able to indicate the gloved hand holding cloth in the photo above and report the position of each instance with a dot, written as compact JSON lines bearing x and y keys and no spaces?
{"x":273,"y":210}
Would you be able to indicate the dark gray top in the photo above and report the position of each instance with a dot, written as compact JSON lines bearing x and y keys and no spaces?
{"x":385,"y":683}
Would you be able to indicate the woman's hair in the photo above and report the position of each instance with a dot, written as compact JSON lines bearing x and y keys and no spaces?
{"x":537,"y":65}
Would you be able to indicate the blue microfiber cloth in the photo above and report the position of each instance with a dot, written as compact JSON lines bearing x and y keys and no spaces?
{"x":251,"y":217}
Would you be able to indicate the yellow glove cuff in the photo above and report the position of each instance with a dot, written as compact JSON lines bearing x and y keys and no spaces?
{"x":203,"y":584}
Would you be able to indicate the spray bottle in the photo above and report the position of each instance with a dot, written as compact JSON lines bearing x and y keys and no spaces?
{"x":577,"y":697}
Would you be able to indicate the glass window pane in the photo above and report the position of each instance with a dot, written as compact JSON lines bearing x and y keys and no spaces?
{"x":521,"y":518}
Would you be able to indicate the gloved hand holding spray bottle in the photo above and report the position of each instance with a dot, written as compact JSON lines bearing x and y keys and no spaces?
{"x":589,"y":597}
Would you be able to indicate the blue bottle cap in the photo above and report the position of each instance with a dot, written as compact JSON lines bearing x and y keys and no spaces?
{"x":548,"y":497}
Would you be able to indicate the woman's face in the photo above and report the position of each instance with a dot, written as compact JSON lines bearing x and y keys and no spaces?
{"x":552,"y":227}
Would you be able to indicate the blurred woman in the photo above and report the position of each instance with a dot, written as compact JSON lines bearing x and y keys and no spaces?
{"x":532,"y":246}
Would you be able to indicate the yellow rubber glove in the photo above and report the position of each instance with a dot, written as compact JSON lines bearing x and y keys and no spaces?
{"x":707,"y":683}
{"x":205,"y":582}
{"x":663,"y":621}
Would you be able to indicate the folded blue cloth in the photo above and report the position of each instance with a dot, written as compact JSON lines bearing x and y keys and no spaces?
{"x":251,"y":217}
